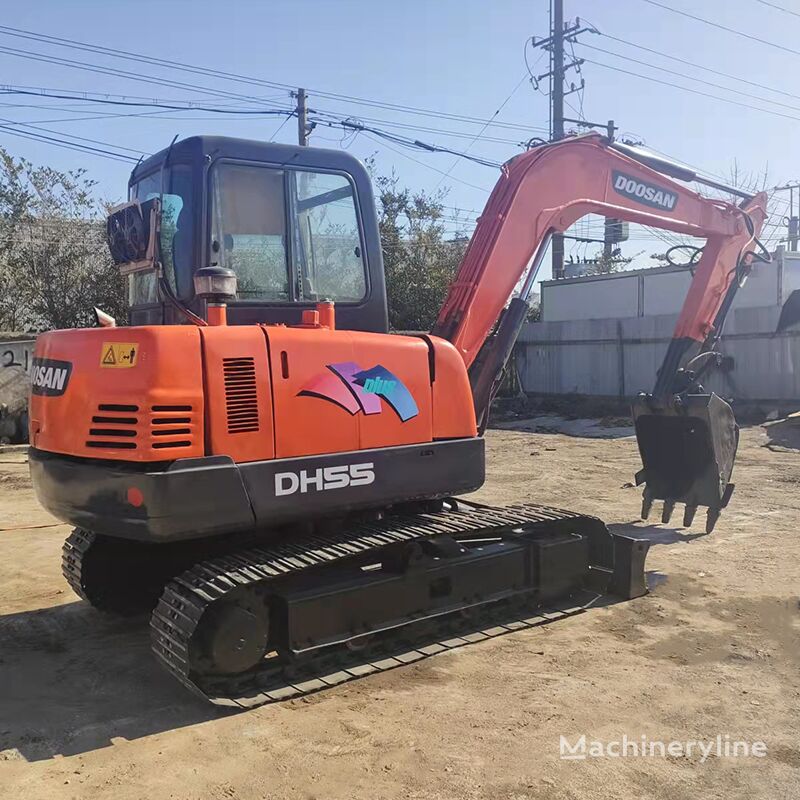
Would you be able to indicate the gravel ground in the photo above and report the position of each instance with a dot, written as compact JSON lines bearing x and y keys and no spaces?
{"x":712,"y":650}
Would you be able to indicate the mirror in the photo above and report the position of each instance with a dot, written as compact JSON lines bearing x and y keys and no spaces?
{"x":132,"y":235}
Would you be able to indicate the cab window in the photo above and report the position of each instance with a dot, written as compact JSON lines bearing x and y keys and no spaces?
{"x":175,"y":190}
{"x":289,"y":235}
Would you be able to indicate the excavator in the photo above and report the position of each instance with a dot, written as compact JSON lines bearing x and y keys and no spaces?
{"x":258,"y":462}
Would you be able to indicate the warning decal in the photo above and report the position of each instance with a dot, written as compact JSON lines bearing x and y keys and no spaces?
{"x":119,"y":354}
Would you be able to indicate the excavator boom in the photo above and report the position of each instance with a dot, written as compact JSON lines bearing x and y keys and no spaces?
{"x":688,"y":457}
{"x":546,"y":190}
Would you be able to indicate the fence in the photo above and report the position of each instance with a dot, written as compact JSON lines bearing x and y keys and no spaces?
{"x":16,"y":354}
{"x":620,"y":357}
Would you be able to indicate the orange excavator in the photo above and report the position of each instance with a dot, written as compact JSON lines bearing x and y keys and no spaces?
{"x":260,"y":463}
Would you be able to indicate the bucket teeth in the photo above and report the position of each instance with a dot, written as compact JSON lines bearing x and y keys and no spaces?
{"x":688,"y":447}
{"x":711,"y":519}
{"x":647,"y":504}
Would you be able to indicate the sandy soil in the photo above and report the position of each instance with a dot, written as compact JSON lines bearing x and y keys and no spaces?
{"x":713,"y":649}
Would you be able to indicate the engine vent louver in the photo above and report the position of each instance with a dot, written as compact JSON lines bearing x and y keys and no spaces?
{"x":171,"y":421}
{"x":241,"y":394}
{"x":168,"y":428}
{"x":114,"y":428}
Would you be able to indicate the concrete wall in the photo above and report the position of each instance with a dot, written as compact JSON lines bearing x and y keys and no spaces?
{"x":658,"y":291}
{"x":606,"y":335}
{"x":16,"y":354}
{"x":620,"y":357}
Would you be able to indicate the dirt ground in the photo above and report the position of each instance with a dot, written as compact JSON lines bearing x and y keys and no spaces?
{"x":713,"y":649}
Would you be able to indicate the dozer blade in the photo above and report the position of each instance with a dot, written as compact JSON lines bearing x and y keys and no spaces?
{"x":688,"y":446}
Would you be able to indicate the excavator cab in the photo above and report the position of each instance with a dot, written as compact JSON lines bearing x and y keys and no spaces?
{"x":295,"y":224}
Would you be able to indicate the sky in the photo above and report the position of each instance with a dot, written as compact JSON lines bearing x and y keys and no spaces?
{"x":463,"y":58}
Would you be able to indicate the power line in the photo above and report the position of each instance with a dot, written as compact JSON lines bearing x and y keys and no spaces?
{"x":343,"y":124}
{"x":444,"y":132}
{"x":119,"y":73}
{"x":72,"y":136}
{"x":779,"y":8}
{"x":723,"y":27}
{"x":737,"y":78}
{"x":68,"y":145}
{"x":181,"y":66}
{"x":355,"y":125}
{"x":423,"y":164}
{"x":689,"y":77}
{"x":481,"y":131}
{"x":227,"y":111}
{"x":86,"y":95}
{"x":151,"y":104}
{"x":693,"y":91}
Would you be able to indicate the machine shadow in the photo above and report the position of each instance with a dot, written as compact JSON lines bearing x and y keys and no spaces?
{"x":785,"y":433}
{"x":655,"y":534}
{"x":74,"y":679}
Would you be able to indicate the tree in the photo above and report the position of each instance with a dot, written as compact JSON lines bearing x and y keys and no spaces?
{"x":603,"y":264}
{"x":54,"y":262}
{"x":420,"y":259}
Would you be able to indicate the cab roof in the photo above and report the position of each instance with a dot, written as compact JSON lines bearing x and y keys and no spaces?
{"x":197,"y":149}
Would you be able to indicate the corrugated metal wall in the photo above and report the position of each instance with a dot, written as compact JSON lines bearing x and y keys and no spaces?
{"x":606,"y":335}
{"x":619,"y":357}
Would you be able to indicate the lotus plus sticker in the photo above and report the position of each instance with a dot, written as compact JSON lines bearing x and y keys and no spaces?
{"x":356,"y":389}
{"x":50,"y":377}
{"x":648,"y":194}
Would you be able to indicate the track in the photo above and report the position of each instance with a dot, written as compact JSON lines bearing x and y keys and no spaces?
{"x":278,"y":676}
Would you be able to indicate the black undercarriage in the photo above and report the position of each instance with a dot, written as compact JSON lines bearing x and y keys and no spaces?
{"x":243,"y":622}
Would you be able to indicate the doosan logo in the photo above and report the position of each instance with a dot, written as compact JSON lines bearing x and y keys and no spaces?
{"x":648,"y":194}
{"x":50,"y":377}
{"x":324,"y":478}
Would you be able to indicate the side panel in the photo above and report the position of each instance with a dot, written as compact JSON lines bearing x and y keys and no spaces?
{"x":131,"y":394}
{"x":453,"y":407}
{"x":305,"y":421}
{"x":238,"y":393}
{"x":401,"y":379}
{"x":338,"y":391}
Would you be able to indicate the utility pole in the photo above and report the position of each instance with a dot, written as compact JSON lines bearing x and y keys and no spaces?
{"x":557,"y":71}
{"x":557,"y":113}
{"x":793,"y":220}
{"x":302,"y":117}
{"x":554,"y":43}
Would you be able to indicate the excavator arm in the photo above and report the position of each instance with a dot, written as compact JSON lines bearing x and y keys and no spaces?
{"x":543,"y":192}
{"x":546,"y":190}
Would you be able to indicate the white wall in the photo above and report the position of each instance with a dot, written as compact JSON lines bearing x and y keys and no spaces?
{"x":661,"y":290}
{"x":619,"y":358}
{"x":589,"y":298}
{"x":17,"y":353}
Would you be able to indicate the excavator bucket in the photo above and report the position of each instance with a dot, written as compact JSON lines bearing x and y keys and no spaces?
{"x":688,"y":447}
